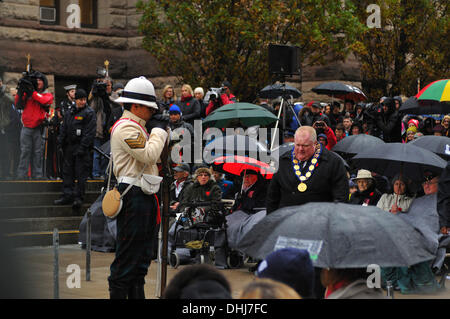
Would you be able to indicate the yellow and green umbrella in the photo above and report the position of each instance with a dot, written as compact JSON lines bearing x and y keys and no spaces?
{"x":432,"y":99}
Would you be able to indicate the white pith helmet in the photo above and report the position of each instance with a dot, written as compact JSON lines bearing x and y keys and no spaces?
{"x":140,"y":91}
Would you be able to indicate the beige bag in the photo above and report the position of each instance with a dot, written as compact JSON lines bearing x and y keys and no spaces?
{"x":112,"y":203}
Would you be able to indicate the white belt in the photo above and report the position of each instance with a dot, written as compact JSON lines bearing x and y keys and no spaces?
{"x":129,"y":180}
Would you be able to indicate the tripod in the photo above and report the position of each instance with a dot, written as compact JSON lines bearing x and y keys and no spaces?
{"x":284,"y":100}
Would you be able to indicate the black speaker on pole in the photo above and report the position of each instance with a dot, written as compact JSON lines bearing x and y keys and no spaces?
{"x":284,"y":59}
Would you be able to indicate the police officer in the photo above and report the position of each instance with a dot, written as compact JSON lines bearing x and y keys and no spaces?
{"x":135,"y":152}
{"x":68,"y":102}
{"x":76,"y":138}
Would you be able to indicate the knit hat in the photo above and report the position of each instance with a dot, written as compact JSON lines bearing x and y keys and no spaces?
{"x":438,"y":128}
{"x":291,"y":266}
{"x":175,"y":109}
{"x":80,"y":93}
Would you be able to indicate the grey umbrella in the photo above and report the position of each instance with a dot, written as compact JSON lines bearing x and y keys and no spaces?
{"x":234,"y":145}
{"x":338,"y":236}
{"x":390,"y":159}
{"x":355,"y":144}
{"x":439,"y":145}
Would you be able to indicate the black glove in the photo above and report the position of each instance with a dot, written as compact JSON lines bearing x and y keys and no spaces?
{"x":157,"y":120}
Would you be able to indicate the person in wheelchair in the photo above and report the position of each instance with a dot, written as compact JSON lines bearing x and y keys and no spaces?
{"x":194,"y":216}
{"x":204,"y":189}
{"x":249,"y":208}
{"x":252,"y":196}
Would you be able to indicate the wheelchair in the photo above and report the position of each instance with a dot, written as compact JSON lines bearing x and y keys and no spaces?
{"x":202,"y":229}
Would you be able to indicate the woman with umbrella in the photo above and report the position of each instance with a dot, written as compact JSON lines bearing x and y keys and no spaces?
{"x":367,"y":193}
{"x":401,"y":198}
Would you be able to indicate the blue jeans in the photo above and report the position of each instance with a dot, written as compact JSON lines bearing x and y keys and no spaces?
{"x":31,"y":147}
{"x":100,"y":163}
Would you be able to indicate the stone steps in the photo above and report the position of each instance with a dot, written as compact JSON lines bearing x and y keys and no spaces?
{"x":28,"y":214}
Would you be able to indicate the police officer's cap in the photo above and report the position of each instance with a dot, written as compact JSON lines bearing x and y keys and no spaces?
{"x":70,"y":87}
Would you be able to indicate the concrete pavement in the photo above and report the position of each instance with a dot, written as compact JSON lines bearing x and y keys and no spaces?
{"x":39,"y":264}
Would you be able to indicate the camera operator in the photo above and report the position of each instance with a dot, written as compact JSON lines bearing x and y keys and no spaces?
{"x":387,"y":120}
{"x":321,"y":127}
{"x":226,"y":97}
{"x":101,"y":104}
{"x":35,"y":100}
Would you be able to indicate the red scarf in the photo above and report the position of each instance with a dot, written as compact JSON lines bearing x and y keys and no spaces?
{"x":186,"y":98}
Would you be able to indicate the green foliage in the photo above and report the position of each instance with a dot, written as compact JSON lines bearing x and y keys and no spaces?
{"x":412,"y":43}
{"x":207,"y":41}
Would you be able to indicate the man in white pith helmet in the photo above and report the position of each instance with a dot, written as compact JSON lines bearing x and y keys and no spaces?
{"x":135,"y":152}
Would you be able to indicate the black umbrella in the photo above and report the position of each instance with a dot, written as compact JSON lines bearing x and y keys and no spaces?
{"x":355,"y":144}
{"x":280,"y":89}
{"x":338,"y":236}
{"x":235,"y":145}
{"x":414,"y":106}
{"x":390,"y":159}
{"x":341,"y":91}
{"x":439,"y":145}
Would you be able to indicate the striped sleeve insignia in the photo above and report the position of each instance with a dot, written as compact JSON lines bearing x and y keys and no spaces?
{"x":138,"y":142}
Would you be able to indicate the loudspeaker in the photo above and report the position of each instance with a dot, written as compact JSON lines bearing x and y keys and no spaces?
{"x":284,"y":59}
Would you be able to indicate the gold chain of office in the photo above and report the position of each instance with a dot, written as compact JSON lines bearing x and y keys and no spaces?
{"x":312,"y":166}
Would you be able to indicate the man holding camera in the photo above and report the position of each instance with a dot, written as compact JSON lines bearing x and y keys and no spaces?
{"x":226,"y":97}
{"x":76,"y":138}
{"x":387,"y":120}
{"x":35,"y":101}
{"x":101,"y":104}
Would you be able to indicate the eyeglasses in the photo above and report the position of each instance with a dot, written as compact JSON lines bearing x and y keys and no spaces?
{"x":428,"y":183}
{"x":203,"y":175}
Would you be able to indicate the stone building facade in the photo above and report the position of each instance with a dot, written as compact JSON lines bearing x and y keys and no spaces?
{"x":108,"y":31}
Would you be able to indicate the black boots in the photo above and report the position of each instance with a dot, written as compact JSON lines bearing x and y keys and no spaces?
{"x":117,"y":293}
{"x":136,"y":292}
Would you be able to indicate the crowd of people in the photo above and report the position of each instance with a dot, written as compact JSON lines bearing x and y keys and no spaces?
{"x":68,"y":143}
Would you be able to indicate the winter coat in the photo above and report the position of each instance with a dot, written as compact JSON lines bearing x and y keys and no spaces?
{"x":254,"y":197}
{"x":328,"y":183}
{"x":35,"y":109}
{"x":225,"y":99}
{"x":190,"y":109}
{"x":173,"y":197}
{"x":390,"y":124}
{"x":78,"y":129}
{"x":387,"y":200}
{"x":210,"y":192}
{"x":357,"y":290}
{"x":370,"y":196}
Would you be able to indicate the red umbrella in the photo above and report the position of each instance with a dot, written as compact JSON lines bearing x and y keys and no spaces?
{"x":237,"y":164}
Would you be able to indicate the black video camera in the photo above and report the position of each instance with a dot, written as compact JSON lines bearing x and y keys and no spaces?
{"x":99,"y":88}
{"x":214,"y":93}
{"x":27,"y":84}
